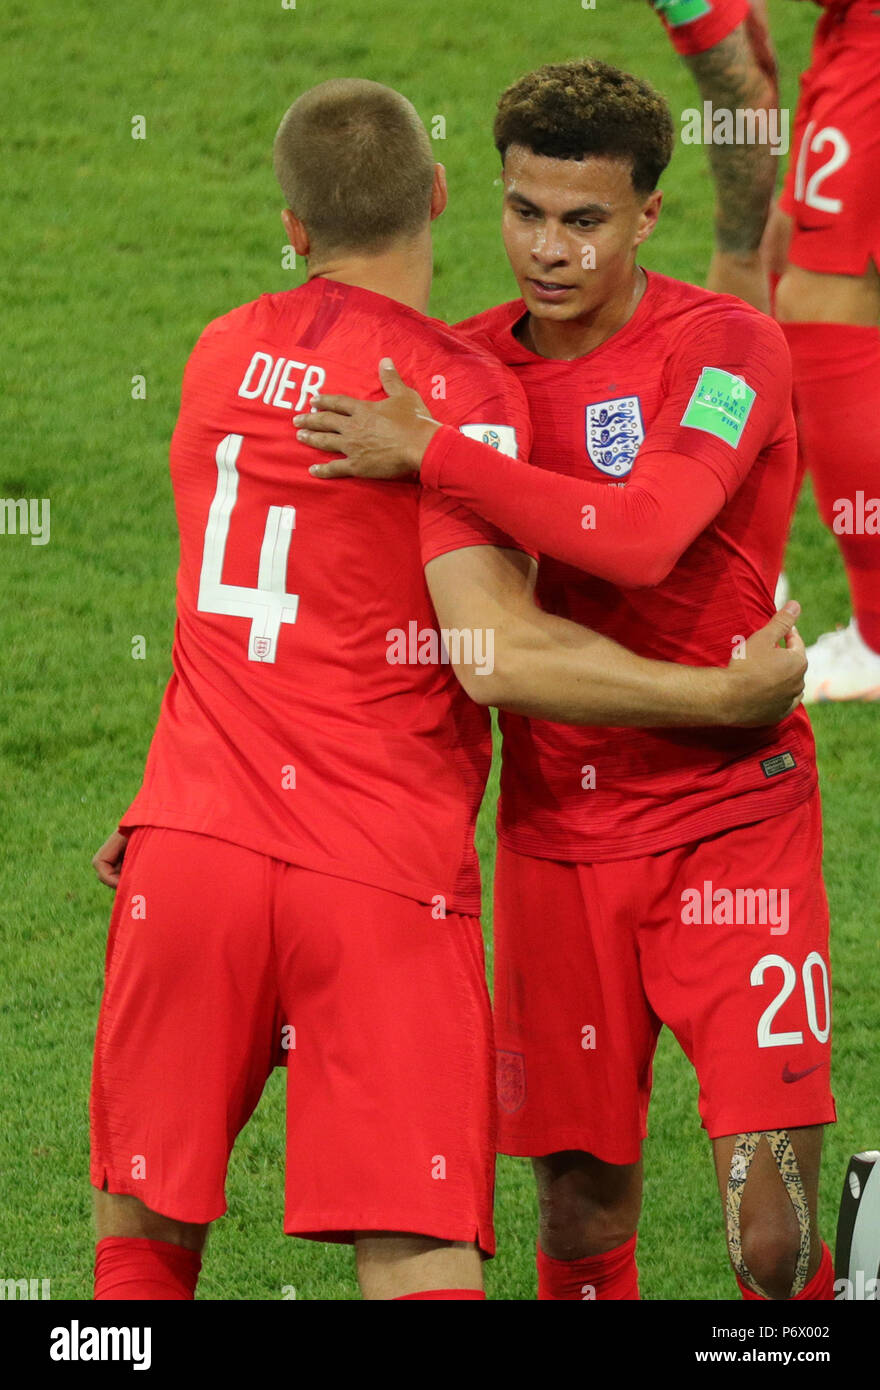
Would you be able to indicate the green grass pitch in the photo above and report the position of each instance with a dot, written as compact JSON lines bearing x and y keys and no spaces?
{"x":120,"y":251}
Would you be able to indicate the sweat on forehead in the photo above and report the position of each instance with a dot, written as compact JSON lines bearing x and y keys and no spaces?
{"x":596,"y":181}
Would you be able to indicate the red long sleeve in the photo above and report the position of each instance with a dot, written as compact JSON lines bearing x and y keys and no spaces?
{"x":631,"y":536}
{"x":696,"y":453}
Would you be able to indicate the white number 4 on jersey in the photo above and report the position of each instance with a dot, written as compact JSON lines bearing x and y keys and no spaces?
{"x":268,"y":605}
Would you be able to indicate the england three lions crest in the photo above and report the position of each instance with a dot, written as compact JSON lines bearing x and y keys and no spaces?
{"x":614,"y":434}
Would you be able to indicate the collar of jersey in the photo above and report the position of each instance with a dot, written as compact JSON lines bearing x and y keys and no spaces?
{"x":510,"y":349}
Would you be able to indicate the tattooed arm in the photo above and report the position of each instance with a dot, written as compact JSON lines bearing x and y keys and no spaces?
{"x":740,"y":72}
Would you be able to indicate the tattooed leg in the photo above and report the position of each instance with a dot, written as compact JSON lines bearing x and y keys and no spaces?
{"x":744,"y":1150}
{"x":731,"y":77}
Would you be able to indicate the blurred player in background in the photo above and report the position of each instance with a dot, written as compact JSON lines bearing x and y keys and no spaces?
{"x":300,"y":882}
{"x":728,"y":48}
{"x":726,"y":44}
{"x":825,"y":243}
{"x":665,"y":451}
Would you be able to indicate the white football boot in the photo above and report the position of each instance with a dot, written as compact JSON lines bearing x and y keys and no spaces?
{"x":842,"y":667}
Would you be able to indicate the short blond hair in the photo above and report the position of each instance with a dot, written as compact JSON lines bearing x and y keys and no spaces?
{"x":355,"y":165}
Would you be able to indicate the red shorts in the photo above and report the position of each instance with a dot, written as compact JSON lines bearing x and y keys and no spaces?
{"x":695,"y":25}
{"x":830,"y":187}
{"x":591,"y":959}
{"x":223,"y":963}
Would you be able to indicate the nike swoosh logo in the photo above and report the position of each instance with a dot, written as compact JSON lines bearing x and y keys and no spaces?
{"x":789,"y":1075}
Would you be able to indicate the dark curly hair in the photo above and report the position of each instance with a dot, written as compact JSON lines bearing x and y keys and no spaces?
{"x":575,"y":110}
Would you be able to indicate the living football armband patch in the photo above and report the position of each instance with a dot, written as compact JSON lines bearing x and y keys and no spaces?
{"x":721,"y":405}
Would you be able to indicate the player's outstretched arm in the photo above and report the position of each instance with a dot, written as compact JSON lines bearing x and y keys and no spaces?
{"x":630,"y":536}
{"x":548,"y":668}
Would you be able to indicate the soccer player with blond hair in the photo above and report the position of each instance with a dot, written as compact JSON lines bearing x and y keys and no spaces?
{"x":643,"y":877}
{"x":296,"y":880}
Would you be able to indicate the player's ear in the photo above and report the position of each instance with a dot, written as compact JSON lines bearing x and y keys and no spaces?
{"x":296,"y":232}
{"x":439,"y":194}
{"x":648,"y":215}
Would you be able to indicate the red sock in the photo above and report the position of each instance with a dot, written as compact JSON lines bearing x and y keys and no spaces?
{"x":837,"y":399}
{"x":129,"y":1267}
{"x":441,"y":1293}
{"x":613,"y":1275}
{"x":820,"y":1287}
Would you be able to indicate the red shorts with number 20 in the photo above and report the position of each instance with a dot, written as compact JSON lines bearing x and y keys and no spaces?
{"x":591,"y":960}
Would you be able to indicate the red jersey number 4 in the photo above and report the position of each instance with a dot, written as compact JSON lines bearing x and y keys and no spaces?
{"x":268,"y":605}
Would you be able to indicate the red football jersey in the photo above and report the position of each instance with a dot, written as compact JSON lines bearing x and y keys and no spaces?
{"x":313,"y":714}
{"x":695,"y":25}
{"x":691,"y":374}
